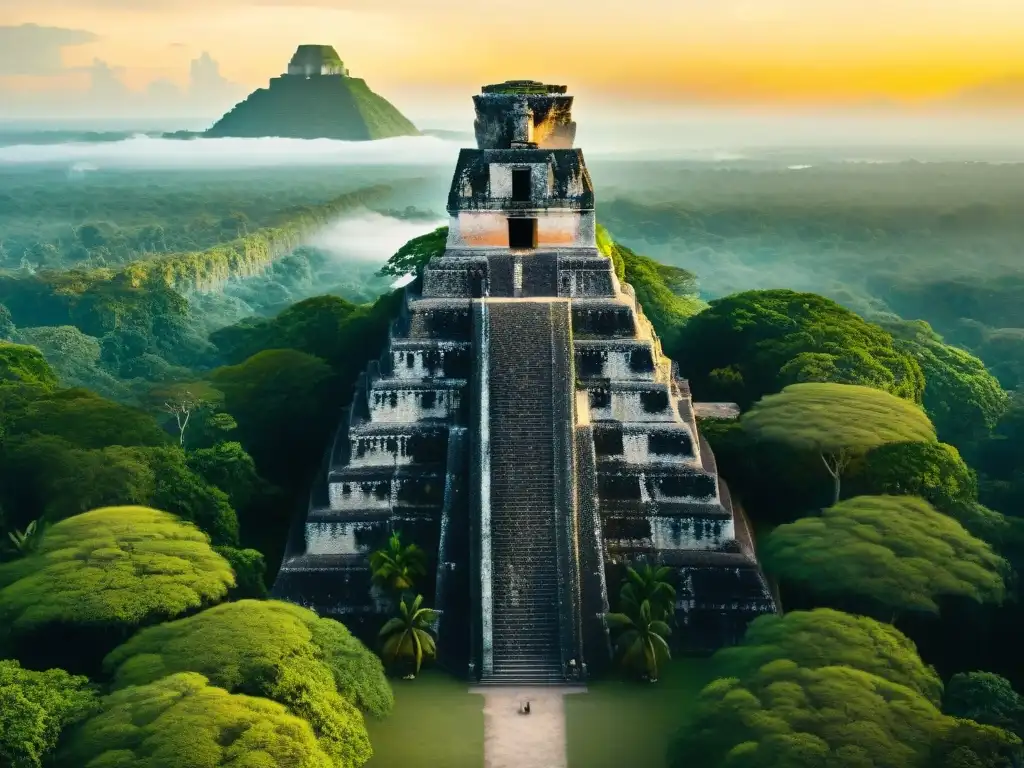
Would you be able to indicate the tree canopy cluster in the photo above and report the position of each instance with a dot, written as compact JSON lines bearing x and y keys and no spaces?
{"x":836,"y":422}
{"x":275,"y":650}
{"x":821,"y":688}
{"x":754,"y":343}
{"x":99,"y":575}
{"x":35,"y":707}
{"x":883,"y":555}
{"x":190,"y":722}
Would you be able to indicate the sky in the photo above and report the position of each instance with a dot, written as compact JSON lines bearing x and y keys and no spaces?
{"x":198,"y":57}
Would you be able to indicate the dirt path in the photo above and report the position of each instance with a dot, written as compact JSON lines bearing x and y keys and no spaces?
{"x":536,"y":740}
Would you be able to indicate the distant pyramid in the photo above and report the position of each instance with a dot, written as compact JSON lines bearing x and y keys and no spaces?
{"x":315,"y":99}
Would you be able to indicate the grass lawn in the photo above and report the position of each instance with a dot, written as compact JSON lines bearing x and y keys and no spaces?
{"x":617,"y":723}
{"x":435,"y":722}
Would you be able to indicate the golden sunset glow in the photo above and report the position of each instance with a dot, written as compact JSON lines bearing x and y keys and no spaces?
{"x":774,"y":51}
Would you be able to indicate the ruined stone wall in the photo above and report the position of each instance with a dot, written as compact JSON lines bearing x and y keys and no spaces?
{"x":553,"y":126}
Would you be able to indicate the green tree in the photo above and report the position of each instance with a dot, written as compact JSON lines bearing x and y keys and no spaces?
{"x":280,"y":399}
{"x":25,"y":364}
{"x":408,"y":637}
{"x":35,"y":707}
{"x":98,"y":576}
{"x":414,"y":255}
{"x":7,"y":329}
{"x":276,"y":650}
{"x":250,"y":569}
{"x":966,"y":744}
{"x":313,"y":326}
{"x":651,"y":584}
{"x":766,"y":340}
{"x":836,"y":421}
{"x":641,"y":638}
{"x":934,"y":471}
{"x":87,"y":420}
{"x":189,"y":722}
{"x":826,"y":638}
{"x":227,"y":466}
{"x":180,"y":490}
{"x":884,"y":555}
{"x":986,"y":698}
{"x":962,"y":398}
{"x":785,"y":714}
{"x":63,"y":481}
{"x":397,"y":566}
{"x":75,"y":358}
{"x":1000,"y":461}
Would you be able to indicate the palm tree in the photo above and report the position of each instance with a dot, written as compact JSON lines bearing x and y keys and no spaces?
{"x":650,"y":584}
{"x":396,"y":567}
{"x":641,"y":641}
{"x":408,"y":635}
{"x":26,"y":541}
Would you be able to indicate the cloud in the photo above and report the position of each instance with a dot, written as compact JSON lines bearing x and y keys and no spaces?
{"x":33,"y":50}
{"x":369,"y":236}
{"x":207,"y":95}
{"x":105,"y":81}
{"x":206,"y":83}
{"x":151,"y":153}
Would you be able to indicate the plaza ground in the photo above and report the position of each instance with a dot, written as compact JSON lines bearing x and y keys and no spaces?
{"x":616,"y":723}
{"x":620,"y":723}
{"x":436,"y":722}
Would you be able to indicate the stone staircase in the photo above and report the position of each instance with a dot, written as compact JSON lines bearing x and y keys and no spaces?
{"x":525,"y":583}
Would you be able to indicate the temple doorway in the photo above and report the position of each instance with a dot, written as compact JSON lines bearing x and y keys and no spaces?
{"x":521,"y":185}
{"x":522,"y":233}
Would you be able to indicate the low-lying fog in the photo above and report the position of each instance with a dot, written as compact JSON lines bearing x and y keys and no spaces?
{"x":708,"y":136}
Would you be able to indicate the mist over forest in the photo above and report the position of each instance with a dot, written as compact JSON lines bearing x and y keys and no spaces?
{"x":881,"y":213}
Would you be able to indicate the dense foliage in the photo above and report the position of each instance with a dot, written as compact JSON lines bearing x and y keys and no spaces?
{"x":97,"y":576}
{"x":34,"y":708}
{"x":836,"y":421}
{"x":828,"y":638}
{"x":985,"y":698}
{"x":932,"y":470}
{"x":754,"y":343}
{"x":882,"y":555}
{"x":787,"y":714}
{"x":189,"y":722}
{"x":313,"y":666}
{"x":25,"y":364}
{"x":962,"y":398}
{"x":412,"y":257}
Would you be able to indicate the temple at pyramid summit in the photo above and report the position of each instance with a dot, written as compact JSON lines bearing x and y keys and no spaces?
{"x":316,"y":98}
{"x":526,"y":430}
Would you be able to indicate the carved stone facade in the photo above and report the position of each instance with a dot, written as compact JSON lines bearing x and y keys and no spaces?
{"x":525,"y":428}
